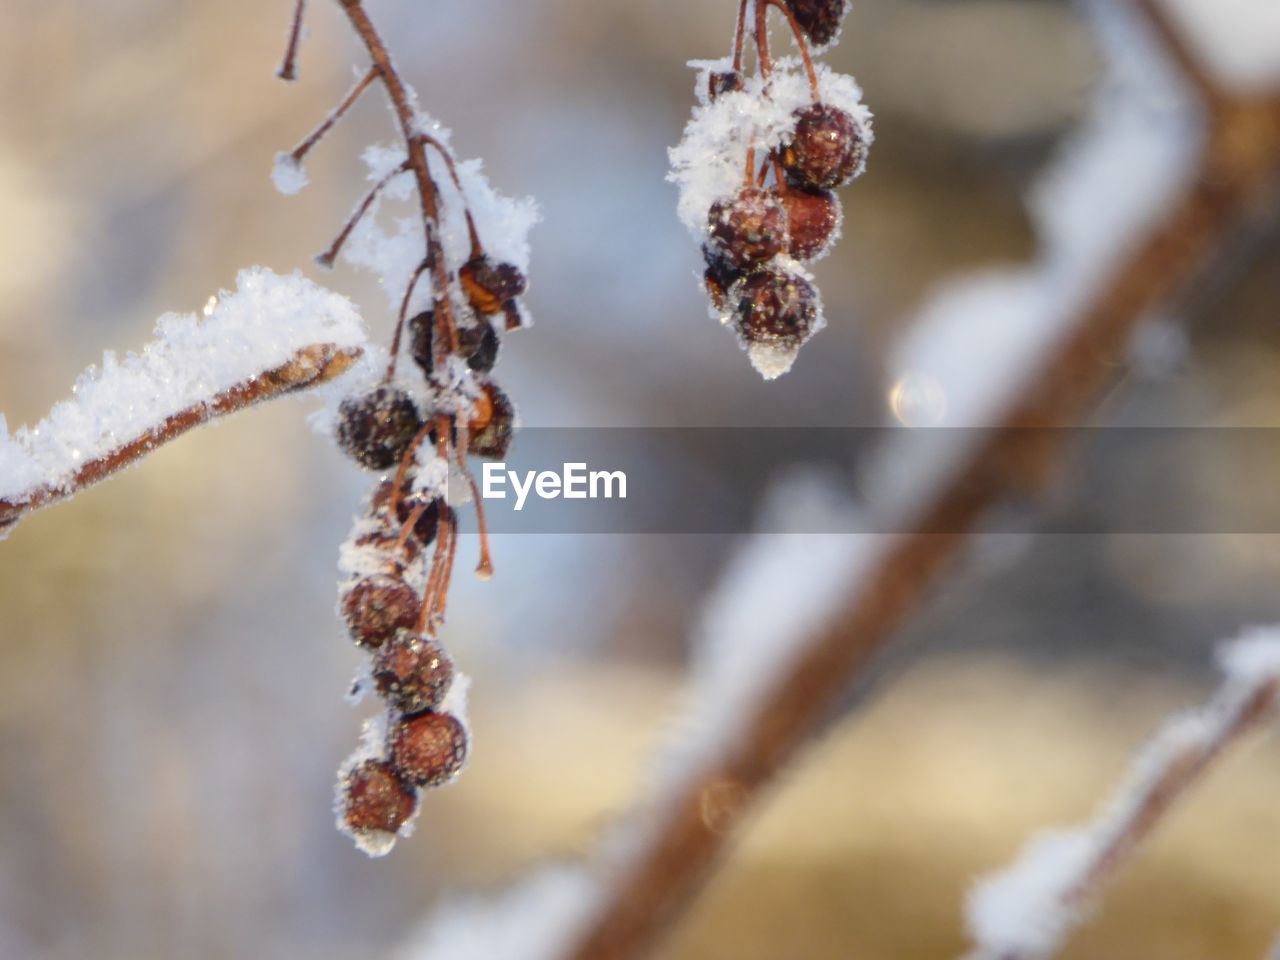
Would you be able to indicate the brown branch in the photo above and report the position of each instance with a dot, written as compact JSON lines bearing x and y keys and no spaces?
{"x":310,"y":366}
{"x":327,"y":258}
{"x":304,"y":147}
{"x":288,"y":66}
{"x":1236,"y":183}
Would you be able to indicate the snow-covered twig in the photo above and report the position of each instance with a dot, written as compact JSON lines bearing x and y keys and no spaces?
{"x":1026,"y":911}
{"x":274,"y":335}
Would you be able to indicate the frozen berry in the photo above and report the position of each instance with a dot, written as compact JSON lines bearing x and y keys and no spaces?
{"x":375,"y":799}
{"x":827,"y":149}
{"x":819,"y":19}
{"x":427,"y":749}
{"x":377,"y":429}
{"x":479,"y":344}
{"x":377,"y":606}
{"x":813,"y":217}
{"x":412,"y":672}
{"x":719,"y":276}
{"x":424,"y":528}
{"x":774,"y":307}
{"x":421,"y":329}
{"x":491,"y":425}
{"x":748,"y":228}
{"x":723,"y":81}
{"x":490,"y":285}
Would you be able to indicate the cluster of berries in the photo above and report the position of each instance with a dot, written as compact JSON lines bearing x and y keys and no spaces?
{"x":417,"y":428}
{"x":793,"y":134}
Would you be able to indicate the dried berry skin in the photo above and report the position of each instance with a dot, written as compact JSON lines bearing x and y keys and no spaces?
{"x":726,"y":81}
{"x":376,"y":430}
{"x":819,"y":19}
{"x":490,"y":285}
{"x":378,"y":606}
{"x":813,"y":217}
{"x":491,"y":427}
{"x":427,"y":749}
{"x":774,"y":307}
{"x":479,"y":344}
{"x":827,"y":149}
{"x":748,"y":228}
{"x":375,"y":799}
{"x":421,"y":328}
{"x":412,"y":672}
{"x":720,"y":275}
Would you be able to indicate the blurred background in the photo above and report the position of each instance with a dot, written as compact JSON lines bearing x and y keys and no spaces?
{"x":171,"y":670}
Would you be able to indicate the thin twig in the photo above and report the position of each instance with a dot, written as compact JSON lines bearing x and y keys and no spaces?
{"x":288,"y":66}
{"x":298,"y":153}
{"x":310,"y":366}
{"x":326,"y":259}
{"x":1236,"y":182}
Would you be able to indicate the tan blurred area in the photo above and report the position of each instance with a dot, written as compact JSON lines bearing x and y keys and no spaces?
{"x":171,"y":670}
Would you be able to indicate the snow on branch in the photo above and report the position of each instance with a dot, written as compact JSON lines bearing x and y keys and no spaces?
{"x":274,"y":335}
{"x":1026,"y":911}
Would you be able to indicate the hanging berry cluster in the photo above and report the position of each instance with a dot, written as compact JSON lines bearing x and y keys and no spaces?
{"x":454,"y":273}
{"x":756,"y":169}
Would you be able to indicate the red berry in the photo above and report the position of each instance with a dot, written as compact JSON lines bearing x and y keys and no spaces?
{"x":427,"y":749}
{"x":774,"y":307}
{"x":814,"y":219}
{"x":376,"y":430}
{"x":819,"y":19}
{"x":748,"y":228}
{"x":412,"y":672}
{"x":827,"y":149}
{"x":377,"y":606}
{"x":492,"y":424}
{"x":375,"y":799}
{"x":490,"y":285}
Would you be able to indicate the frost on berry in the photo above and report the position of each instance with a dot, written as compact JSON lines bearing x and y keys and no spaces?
{"x":775,"y":311}
{"x":427,"y":749}
{"x":813,"y":221}
{"x":376,"y":607}
{"x":412,"y":672}
{"x":424,"y":528}
{"x":819,"y":19}
{"x":492,"y":424}
{"x":747,"y":228}
{"x":490,"y":286}
{"x":826,"y":150}
{"x":377,"y":429}
{"x":374,"y":804}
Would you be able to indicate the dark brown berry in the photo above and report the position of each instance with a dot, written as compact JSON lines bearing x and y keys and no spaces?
{"x":376,"y":430}
{"x":774,"y":307}
{"x":813,"y":218}
{"x":375,"y":799}
{"x":421,"y":331}
{"x":819,"y":19}
{"x":424,"y":528}
{"x":412,"y":672}
{"x":378,"y":606}
{"x":748,"y":228}
{"x":719,"y":276}
{"x":827,"y":149}
{"x":490,"y":285}
{"x":726,"y":81}
{"x":427,"y":749}
{"x":511,"y":311}
{"x":492,"y":424}
{"x":479,"y":344}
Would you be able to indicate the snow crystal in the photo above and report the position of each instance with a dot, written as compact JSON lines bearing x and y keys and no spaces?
{"x":534,"y":920}
{"x":288,"y":174}
{"x":709,"y":162}
{"x":259,"y":327}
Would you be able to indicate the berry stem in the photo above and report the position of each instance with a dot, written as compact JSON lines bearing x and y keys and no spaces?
{"x":476,"y":248}
{"x":288,"y":66}
{"x":303,"y":148}
{"x":326,"y":259}
{"x":484,"y":568}
{"x":762,"y":38}
{"x":800,"y":42}
{"x":404,"y":311}
{"x":739,"y":36}
{"x":397,"y":487}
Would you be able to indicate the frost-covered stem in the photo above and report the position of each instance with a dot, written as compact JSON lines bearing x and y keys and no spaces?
{"x":762,"y":37}
{"x":740,"y":36}
{"x":800,"y":42}
{"x":1236,"y":183}
{"x":401,"y":317}
{"x":326,"y":259}
{"x":298,"y":153}
{"x":310,"y":366}
{"x":428,"y":192}
{"x":476,"y":249}
{"x":1176,"y":47}
{"x":288,"y":66}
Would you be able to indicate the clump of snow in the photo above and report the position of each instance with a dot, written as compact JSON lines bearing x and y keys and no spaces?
{"x":1238,"y":39}
{"x":258,"y":327}
{"x":771,"y":360}
{"x":709,"y":162}
{"x":288,"y":174}
{"x":1253,"y":658}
